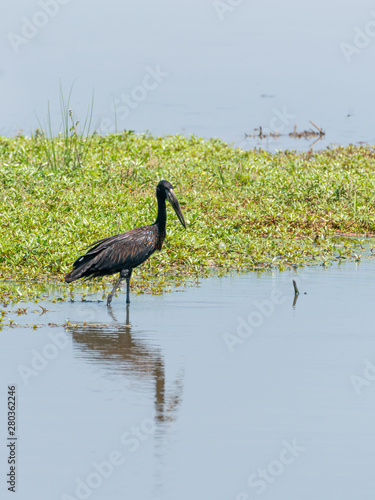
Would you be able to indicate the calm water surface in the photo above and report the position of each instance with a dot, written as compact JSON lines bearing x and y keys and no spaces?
{"x":223,"y":68}
{"x":223,"y":391}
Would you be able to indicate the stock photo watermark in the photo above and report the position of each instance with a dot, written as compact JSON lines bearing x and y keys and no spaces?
{"x":278,"y":123}
{"x":103,"y":470}
{"x":280,"y":120}
{"x":261,"y":310}
{"x":246,"y":326}
{"x":361,"y":40}
{"x":93,"y":481}
{"x":12,"y":439}
{"x":224,"y":7}
{"x":264,"y":476}
{"x":124,"y":104}
{"x":30,"y":27}
{"x":365,"y":379}
{"x":41,"y":359}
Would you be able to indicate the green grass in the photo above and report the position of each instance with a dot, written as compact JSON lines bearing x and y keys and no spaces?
{"x":244,"y":210}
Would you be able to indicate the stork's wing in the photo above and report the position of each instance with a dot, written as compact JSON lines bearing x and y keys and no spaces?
{"x":111,"y":255}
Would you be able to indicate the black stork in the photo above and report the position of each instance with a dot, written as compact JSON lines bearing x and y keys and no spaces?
{"x":123,"y":252}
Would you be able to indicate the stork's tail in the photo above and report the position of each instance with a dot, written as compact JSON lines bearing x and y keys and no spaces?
{"x":74,"y":275}
{"x":82,"y":268}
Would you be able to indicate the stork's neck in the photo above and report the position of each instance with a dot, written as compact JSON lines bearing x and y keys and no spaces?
{"x":161,"y":219}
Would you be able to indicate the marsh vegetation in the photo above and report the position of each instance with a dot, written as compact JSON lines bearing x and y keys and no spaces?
{"x":245,"y":210}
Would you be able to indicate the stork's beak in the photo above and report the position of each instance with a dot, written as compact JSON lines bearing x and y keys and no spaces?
{"x":172,"y":198}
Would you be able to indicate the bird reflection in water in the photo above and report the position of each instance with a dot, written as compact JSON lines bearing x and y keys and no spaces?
{"x":114,"y":345}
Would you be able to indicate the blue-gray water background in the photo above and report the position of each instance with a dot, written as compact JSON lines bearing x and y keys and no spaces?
{"x":223,"y":68}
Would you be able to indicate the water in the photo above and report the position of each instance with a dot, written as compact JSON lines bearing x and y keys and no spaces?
{"x":220,"y":71}
{"x":223,"y":391}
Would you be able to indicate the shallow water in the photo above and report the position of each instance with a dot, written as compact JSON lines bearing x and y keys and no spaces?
{"x":223,"y":68}
{"x":225,"y":390}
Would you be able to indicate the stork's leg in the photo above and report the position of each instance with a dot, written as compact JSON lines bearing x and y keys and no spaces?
{"x":128,"y":286}
{"x":124,"y":274}
{"x":109,"y":300}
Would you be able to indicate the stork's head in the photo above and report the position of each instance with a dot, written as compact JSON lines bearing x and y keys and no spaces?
{"x":165,"y":190}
